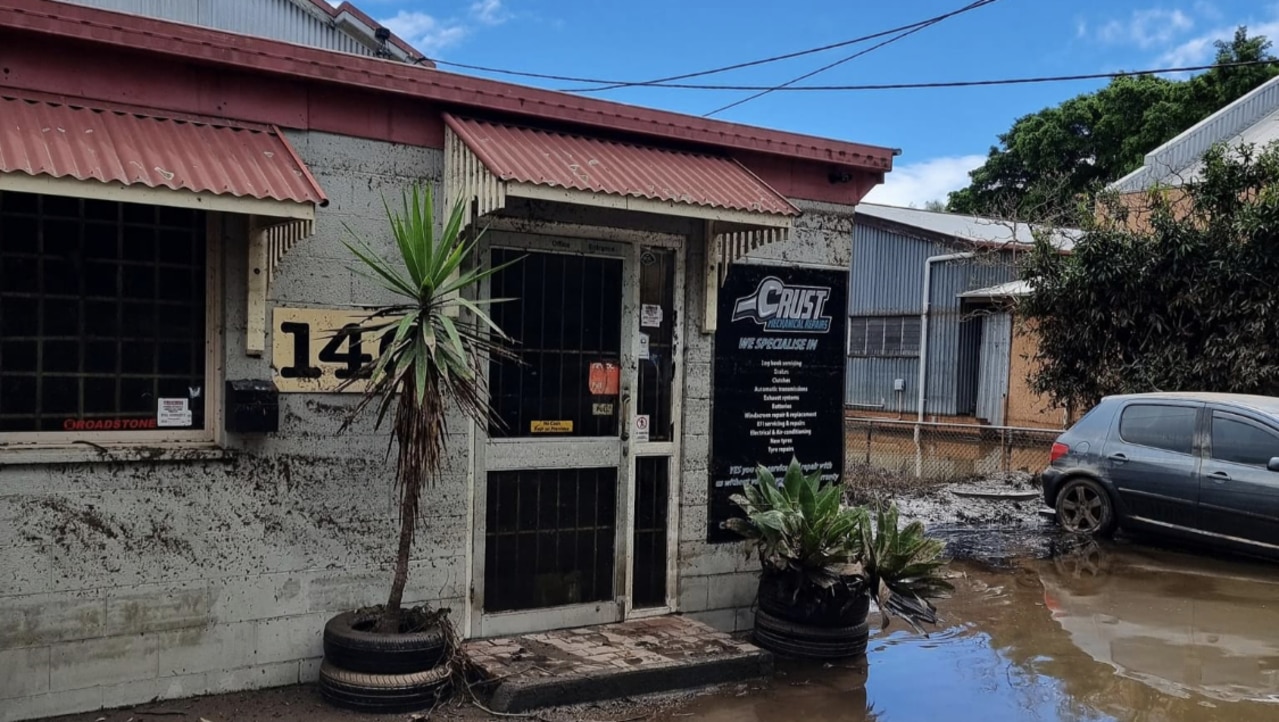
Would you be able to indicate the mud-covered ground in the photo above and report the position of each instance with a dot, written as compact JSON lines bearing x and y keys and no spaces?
{"x":991,"y":521}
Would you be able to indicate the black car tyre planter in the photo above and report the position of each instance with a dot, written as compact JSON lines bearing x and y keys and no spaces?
{"x":350,"y":643}
{"x":832,"y":626}
{"x":384,"y":693}
{"x":373,"y":671}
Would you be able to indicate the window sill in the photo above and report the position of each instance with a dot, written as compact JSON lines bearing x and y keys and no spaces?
{"x":86,"y":453}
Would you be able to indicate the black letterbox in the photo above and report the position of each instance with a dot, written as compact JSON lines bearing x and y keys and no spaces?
{"x":252,"y":406}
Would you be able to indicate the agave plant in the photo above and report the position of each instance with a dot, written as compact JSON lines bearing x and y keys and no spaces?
{"x":902,"y":568}
{"x":801,"y":531}
{"x":800,"y":528}
{"x":433,"y":340}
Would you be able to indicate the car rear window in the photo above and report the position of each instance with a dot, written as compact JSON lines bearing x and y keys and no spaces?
{"x":1160,"y":426}
{"x":1241,"y":442}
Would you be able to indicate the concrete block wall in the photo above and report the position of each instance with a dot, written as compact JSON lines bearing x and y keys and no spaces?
{"x":718,"y":582}
{"x":127,"y":581}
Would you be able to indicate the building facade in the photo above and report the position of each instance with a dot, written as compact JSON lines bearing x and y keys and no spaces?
{"x":932,"y":328}
{"x":178,"y":512}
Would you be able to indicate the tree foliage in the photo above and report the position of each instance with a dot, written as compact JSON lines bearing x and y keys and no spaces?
{"x":1050,"y":162}
{"x":1184,"y":299}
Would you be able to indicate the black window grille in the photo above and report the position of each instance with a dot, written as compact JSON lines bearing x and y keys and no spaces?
{"x":102,"y":314}
{"x":566,"y":317}
{"x":652,"y":494}
{"x":549,"y":538}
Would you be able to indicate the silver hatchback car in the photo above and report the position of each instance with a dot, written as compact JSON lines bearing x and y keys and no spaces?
{"x":1192,"y":465}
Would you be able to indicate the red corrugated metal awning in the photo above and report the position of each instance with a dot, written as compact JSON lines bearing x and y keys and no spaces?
{"x":69,"y":149}
{"x":517,"y":156}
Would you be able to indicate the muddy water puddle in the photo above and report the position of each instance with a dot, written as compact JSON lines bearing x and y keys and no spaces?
{"x":1089,"y":633}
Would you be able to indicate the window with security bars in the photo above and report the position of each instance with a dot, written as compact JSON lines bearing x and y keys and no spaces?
{"x":102,"y":315}
{"x":883,"y":336}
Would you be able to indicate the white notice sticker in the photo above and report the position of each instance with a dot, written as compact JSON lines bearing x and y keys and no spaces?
{"x":641,"y":429}
{"x":643,"y":344}
{"x":650,"y":315}
{"x":173,"y":412}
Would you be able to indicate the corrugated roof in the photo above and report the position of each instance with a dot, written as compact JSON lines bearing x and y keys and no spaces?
{"x":1004,"y":290}
{"x":967,"y":228}
{"x":596,"y":165}
{"x":1172,"y":162}
{"x":40,"y":137}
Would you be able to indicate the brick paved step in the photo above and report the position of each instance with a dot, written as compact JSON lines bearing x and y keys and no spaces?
{"x":590,"y":664}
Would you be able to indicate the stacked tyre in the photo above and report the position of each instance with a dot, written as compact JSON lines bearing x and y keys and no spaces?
{"x":389,"y":673}
{"x":836,"y":629}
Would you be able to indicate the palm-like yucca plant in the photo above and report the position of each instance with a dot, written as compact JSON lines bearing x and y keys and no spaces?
{"x":434,"y":341}
{"x":803,"y":533}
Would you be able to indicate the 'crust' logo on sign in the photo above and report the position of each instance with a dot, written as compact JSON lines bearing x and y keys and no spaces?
{"x":785,"y":309}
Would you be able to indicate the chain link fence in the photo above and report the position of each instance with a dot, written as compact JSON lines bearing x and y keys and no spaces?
{"x":939,"y":452}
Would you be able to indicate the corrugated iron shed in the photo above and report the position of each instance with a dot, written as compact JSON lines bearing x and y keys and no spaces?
{"x":39,"y":137}
{"x":595,"y":165}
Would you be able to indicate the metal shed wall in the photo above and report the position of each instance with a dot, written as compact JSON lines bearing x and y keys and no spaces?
{"x":276,"y":19}
{"x":887,"y":279}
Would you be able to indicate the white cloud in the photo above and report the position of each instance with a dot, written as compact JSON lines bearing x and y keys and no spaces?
{"x":930,"y":180}
{"x":425,"y":32}
{"x":1146,"y":28}
{"x":489,"y":12}
{"x":1200,"y":50}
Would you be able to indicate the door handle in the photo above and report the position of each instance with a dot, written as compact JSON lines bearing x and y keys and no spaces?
{"x":1219,"y":476}
{"x":625,"y":421}
{"x":1118,"y":458}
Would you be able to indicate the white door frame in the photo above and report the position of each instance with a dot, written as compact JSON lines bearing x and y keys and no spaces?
{"x":560,"y":453}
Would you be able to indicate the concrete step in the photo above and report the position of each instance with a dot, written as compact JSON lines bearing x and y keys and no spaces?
{"x":590,"y":664}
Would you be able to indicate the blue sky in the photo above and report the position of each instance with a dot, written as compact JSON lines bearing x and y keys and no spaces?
{"x":942,"y":133}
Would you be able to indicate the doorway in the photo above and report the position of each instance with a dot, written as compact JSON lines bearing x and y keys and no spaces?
{"x":575,"y":511}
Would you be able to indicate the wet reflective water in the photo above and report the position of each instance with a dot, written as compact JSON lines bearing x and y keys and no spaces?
{"x":1091,"y":633}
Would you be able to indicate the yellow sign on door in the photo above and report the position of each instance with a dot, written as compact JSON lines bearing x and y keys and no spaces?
{"x":551,"y":427}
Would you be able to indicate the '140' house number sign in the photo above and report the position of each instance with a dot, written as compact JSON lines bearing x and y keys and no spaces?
{"x":316,"y":350}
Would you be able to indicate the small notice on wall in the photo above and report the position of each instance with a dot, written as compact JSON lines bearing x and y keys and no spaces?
{"x":641,"y":429}
{"x":650,"y":315}
{"x":173,"y":412}
{"x":551,"y":427}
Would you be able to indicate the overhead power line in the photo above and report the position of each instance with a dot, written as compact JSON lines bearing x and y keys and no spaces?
{"x":606,"y":84}
{"x":613,"y":85}
{"x":971,"y":83}
{"x":926,"y":24}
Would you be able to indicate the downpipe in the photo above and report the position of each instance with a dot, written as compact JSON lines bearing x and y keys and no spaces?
{"x":925,"y":313}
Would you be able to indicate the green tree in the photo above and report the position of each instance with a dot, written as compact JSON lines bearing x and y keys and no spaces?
{"x":1184,"y":301}
{"x":1050,"y":163}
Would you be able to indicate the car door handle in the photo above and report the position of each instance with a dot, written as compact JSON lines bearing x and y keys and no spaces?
{"x":1118,"y":458}
{"x":1219,"y":476}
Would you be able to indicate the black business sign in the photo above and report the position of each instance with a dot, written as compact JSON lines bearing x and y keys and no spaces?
{"x":779,"y":379}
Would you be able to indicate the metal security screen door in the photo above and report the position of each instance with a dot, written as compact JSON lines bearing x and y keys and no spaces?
{"x":587,"y":411}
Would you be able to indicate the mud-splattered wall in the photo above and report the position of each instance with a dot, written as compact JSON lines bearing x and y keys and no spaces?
{"x":122,"y":582}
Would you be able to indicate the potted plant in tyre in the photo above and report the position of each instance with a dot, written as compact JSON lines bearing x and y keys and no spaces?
{"x":823,"y":563}
{"x":390,"y":658}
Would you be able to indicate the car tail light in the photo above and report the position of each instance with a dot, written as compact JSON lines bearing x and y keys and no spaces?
{"x":1059,"y":450}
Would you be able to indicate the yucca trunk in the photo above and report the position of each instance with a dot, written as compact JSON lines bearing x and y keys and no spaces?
{"x":419,"y":429}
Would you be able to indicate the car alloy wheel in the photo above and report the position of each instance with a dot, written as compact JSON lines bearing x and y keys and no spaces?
{"x":1083,"y":507}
